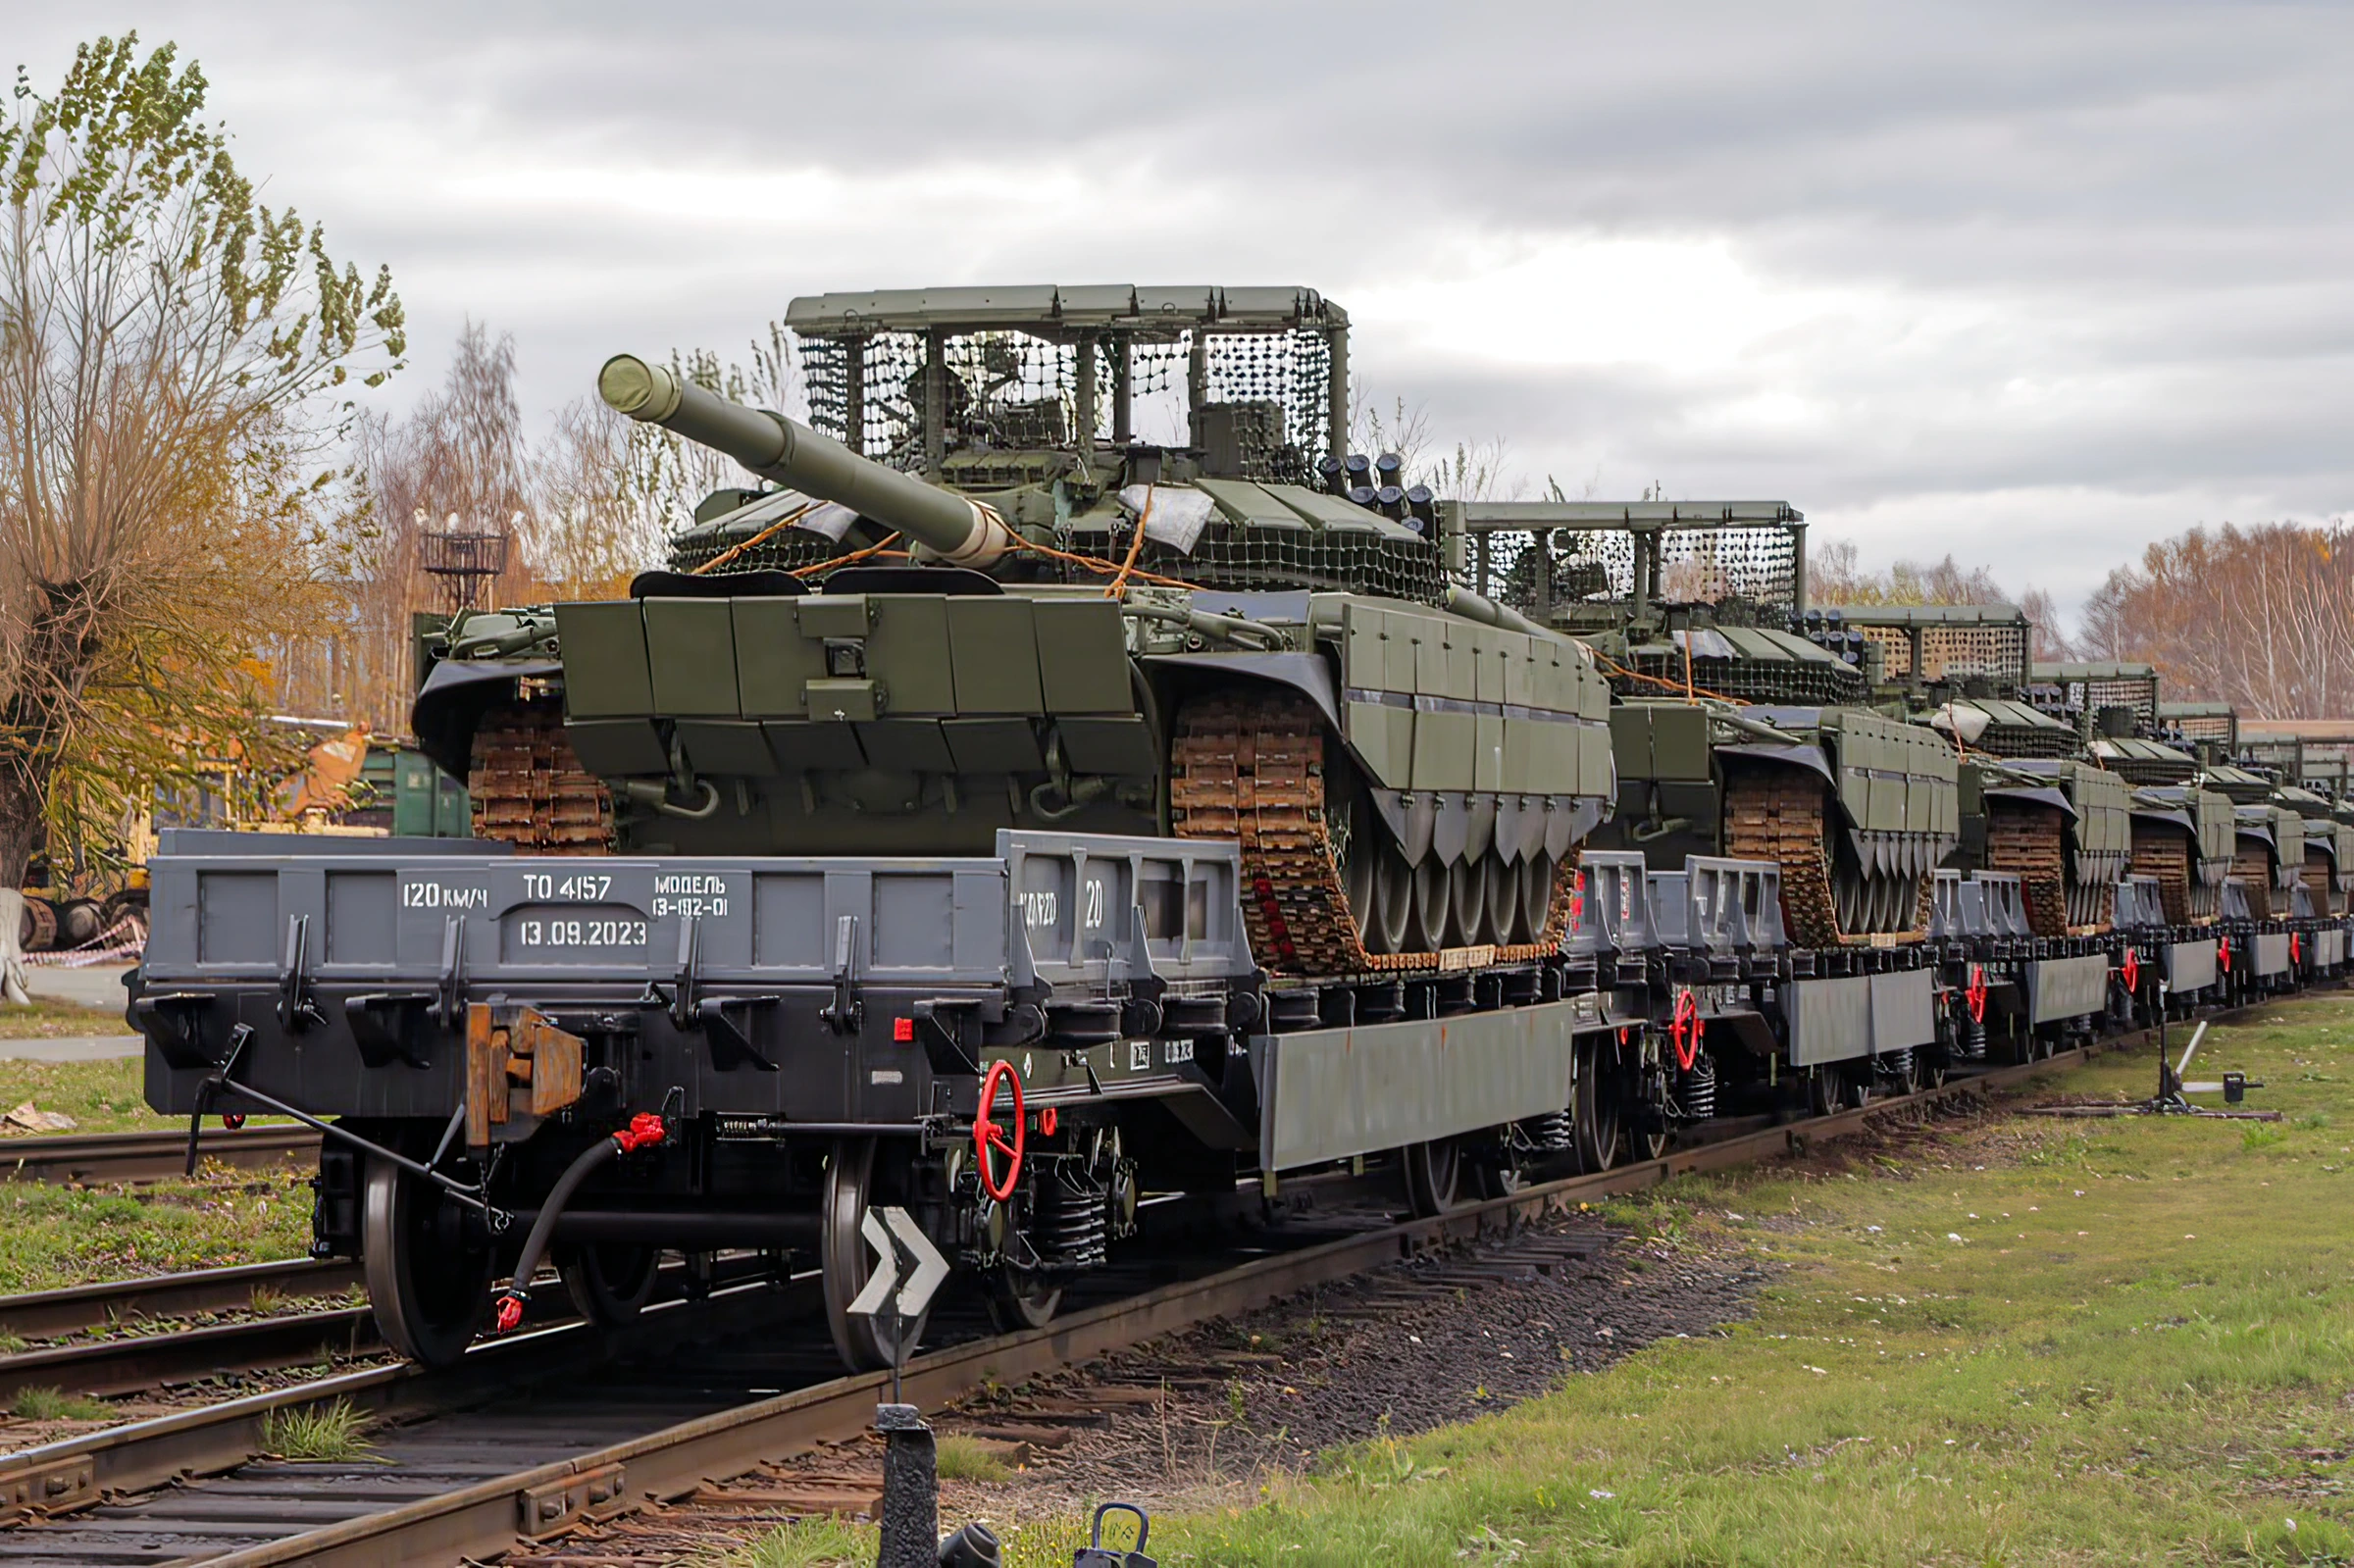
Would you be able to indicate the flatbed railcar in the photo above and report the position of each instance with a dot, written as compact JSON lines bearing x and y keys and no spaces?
{"x":814,"y":1033}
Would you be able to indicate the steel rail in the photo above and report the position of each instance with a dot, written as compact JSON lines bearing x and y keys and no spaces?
{"x":133,"y":1363}
{"x":101,"y":1157}
{"x":74,"y":1308}
{"x":145,"y":1455}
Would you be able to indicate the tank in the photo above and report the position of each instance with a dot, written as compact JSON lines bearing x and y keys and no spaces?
{"x":2039,"y":797}
{"x":1737,"y":734}
{"x":1092,"y":560}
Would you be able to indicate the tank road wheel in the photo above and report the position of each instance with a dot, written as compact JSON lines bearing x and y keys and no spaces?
{"x":427,"y":1269}
{"x":1467,"y":920}
{"x":1358,"y":846}
{"x":1594,"y":1104}
{"x":1393,"y":899}
{"x":1503,"y":905}
{"x":609,"y":1284}
{"x":1428,"y":927}
{"x":1536,"y":897}
{"x":846,"y":1260}
{"x":1433,"y":1174}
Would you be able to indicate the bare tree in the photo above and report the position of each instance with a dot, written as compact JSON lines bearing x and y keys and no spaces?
{"x":458,"y":462}
{"x":587,"y":532}
{"x":171,"y":357}
{"x":1375,"y":430}
{"x":2052,"y":643}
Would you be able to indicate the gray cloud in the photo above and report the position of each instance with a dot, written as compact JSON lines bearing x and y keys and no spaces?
{"x":2043,"y":280}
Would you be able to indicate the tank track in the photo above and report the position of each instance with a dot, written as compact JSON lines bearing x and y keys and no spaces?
{"x":2030,"y":840}
{"x":2327,"y":900}
{"x":529,"y":788}
{"x":2254,"y":869}
{"x":2165,"y":853}
{"x":1252,"y":770}
{"x":1778,"y":813}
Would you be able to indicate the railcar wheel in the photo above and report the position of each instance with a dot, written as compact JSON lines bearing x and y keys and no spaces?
{"x":1823,"y":1091}
{"x":1854,"y":1084}
{"x":1433,"y":1174}
{"x":1592,"y":1106}
{"x":1018,"y":1301}
{"x":845,"y":1262}
{"x":609,"y":1284}
{"x":1900,"y":1072}
{"x":427,"y":1269}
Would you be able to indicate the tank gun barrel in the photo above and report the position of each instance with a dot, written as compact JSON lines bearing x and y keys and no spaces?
{"x":948,"y":528}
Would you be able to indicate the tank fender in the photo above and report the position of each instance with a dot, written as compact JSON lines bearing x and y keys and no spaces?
{"x":2033,"y":795}
{"x":2168,"y":817}
{"x":1792,"y":756}
{"x":452,"y":702}
{"x":1308,"y":673}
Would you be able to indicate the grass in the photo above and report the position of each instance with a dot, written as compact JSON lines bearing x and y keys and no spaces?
{"x":2039,"y":1341}
{"x":101,"y":1097}
{"x":812,"y":1544}
{"x":964,"y":1458}
{"x":50,"y":1017}
{"x":50,"y":1404}
{"x":326,"y":1433}
{"x":52,"y":1236}
{"x":106,"y":1097}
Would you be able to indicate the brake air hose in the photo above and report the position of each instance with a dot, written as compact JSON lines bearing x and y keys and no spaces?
{"x":644,"y":1131}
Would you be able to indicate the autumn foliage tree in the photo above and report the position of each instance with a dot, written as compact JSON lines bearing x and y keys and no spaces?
{"x":2259,"y":617}
{"x":174,"y":360}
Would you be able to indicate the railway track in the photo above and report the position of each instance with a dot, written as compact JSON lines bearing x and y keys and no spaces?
{"x":79,"y":1308}
{"x":99,"y":1158}
{"x":529,"y":1435}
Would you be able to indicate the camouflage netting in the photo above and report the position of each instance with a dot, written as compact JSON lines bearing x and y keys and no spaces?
{"x":2060,"y":689}
{"x":1994,"y":652}
{"x":1011,"y":390}
{"x":1727,"y":565}
{"x":1392,"y":562}
{"x":1004,"y":390}
{"x":2217,"y":725}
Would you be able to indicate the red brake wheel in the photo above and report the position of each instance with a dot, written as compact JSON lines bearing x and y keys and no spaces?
{"x":989,"y":1135}
{"x":1683,"y":1030}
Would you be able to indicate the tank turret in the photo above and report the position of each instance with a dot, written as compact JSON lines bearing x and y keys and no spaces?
{"x":953,"y":528}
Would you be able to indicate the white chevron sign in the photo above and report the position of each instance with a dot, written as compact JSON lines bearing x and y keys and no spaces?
{"x":900,"y":1247}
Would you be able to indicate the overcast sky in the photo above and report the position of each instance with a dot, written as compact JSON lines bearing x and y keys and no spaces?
{"x":2035,"y":284}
